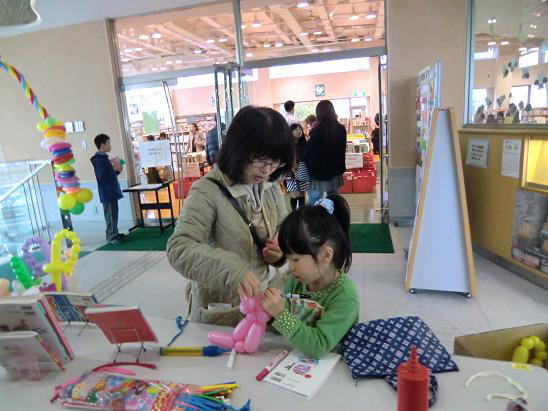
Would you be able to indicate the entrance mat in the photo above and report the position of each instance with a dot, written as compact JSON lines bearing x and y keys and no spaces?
{"x":142,"y":239}
{"x":371,"y":238}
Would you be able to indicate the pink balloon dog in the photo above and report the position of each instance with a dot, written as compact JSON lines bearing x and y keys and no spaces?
{"x":247,"y":335}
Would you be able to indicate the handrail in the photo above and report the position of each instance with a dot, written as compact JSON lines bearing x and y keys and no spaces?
{"x":42,"y":165}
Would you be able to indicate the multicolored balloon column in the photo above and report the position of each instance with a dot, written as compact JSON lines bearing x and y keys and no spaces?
{"x":72,"y":197}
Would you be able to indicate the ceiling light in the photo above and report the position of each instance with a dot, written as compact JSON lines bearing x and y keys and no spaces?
{"x":533,"y":49}
{"x":533,"y":26}
{"x":249,"y":54}
{"x":315,"y":50}
{"x":537,"y":14}
{"x":504,"y":43}
{"x":256,"y":23}
{"x":125,"y":60}
{"x":492,"y":20}
{"x":163,"y":68}
{"x":210,"y":41}
{"x":302,"y":4}
{"x":492,"y":43}
{"x":267,"y":45}
{"x":156,"y":36}
{"x":331,"y":14}
{"x":370,"y":15}
{"x":304,"y":33}
{"x":128,"y":50}
{"x":197,"y":51}
{"x":317,"y":33}
{"x":326,"y":49}
{"x":154,"y":68}
{"x":355,"y":39}
{"x":143,"y":37}
{"x":178,"y":61}
{"x":278,"y":44}
{"x":169,"y":62}
{"x":243,"y":26}
{"x":354,"y":17}
{"x":531,"y":36}
{"x":222,"y":39}
{"x":523,"y":49}
{"x":368,"y":39}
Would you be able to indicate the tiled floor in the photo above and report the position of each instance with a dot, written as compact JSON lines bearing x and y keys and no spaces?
{"x":504,"y":300}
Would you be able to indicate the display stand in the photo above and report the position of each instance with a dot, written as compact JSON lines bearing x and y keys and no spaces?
{"x":123,"y":332}
{"x":440,"y":254}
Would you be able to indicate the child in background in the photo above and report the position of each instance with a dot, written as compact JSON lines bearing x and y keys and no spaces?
{"x":109,"y":188}
{"x":316,"y":241}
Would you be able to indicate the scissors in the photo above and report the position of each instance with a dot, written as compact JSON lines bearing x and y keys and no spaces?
{"x":180,"y":322}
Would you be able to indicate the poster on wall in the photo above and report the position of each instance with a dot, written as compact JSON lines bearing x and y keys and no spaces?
{"x":155,"y":153}
{"x":530,"y":230}
{"x":477,"y":152}
{"x":428,"y":98}
{"x":150,"y":122}
{"x":511,"y":156}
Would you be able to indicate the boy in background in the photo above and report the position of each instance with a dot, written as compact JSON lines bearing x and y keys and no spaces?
{"x":109,"y":188}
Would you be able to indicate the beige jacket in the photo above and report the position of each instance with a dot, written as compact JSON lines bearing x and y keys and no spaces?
{"x":213,"y":247}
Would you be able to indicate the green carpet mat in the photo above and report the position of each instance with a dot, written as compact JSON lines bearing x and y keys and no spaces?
{"x":371,"y":238}
{"x":142,"y":239}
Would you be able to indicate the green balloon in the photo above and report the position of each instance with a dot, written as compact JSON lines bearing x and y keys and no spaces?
{"x":21,"y":271}
{"x":77,"y":209}
{"x":122,"y":161}
{"x":50,"y":121}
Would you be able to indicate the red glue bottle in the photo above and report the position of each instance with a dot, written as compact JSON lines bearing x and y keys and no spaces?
{"x":412,"y":384}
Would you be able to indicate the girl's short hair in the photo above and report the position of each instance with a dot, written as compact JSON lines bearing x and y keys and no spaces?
{"x":256,"y":132}
{"x":307,"y":229}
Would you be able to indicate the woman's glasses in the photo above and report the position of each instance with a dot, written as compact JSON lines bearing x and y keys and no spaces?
{"x":258,"y":163}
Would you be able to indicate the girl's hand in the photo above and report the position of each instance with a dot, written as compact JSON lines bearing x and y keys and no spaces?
{"x":273,"y":302}
{"x":272,"y":252}
{"x":249,"y":285}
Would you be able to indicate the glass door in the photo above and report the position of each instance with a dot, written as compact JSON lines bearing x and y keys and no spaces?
{"x":383,"y":137}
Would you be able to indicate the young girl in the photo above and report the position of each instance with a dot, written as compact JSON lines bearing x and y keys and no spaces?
{"x":297,"y":180}
{"x":315,"y":240}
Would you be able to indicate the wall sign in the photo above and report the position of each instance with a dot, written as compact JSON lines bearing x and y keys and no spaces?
{"x":478,"y":150}
{"x":319,"y":90}
{"x":511,"y":156}
{"x":155,"y":153}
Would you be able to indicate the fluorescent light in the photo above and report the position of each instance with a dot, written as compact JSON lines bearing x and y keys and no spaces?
{"x":163,"y":68}
{"x":249,"y":54}
{"x":197,"y":51}
{"x":533,"y":26}
{"x":355,"y":39}
{"x":504,"y":43}
{"x":169,"y":62}
{"x":138,"y":49}
{"x":178,"y":61}
{"x":278,"y":45}
{"x":368,"y":39}
{"x":533,"y":49}
{"x":210,"y":41}
{"x":304,"y":33}
{"x":125,"y":60}
{"x":128,"y":50}
{"x":315,"y":50}
{"x":302,"y":4}
{"x":317,"y":33}
{"x":267,"y":45}
{"x":531,"y":36}
{"x":326,"y":49}
{"x":492,"y":43}
{"x":256,"y":24}
{"x":143,"y":37}
{"x":156,"y":36}
{"x":492,"y":20}
{"x":154,"y":68}
{"x":243,"y":26}
{"x":537,"y":14}
{"x":523,"y":49}
{"x":370,"y":16}
{"x":222,"y":39}
{"x":331,"y":14}
{"x":354,"y":17}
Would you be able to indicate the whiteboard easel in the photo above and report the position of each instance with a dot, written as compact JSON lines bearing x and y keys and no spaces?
{"x":440,"y":255}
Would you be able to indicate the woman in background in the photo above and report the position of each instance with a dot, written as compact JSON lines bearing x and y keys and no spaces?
{"x":297,"y":180}
{"x":196,"y":139}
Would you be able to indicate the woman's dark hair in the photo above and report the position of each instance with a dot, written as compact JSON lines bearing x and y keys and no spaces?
{"x":310,"y":119}
{"x":307,"y":229}
{"x":327,"y":118}
{"x":377,"y":119}
{"x":256,"y":132}
{"x":195,"y":126}
{"x":300,"y":146}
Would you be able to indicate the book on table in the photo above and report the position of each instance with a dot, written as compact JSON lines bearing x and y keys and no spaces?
{"x":33,"y":313}
{"x":302,"y":375}
{"x":122,"y":324}
{"x":70,"y":307}
{"x":16,"y":343}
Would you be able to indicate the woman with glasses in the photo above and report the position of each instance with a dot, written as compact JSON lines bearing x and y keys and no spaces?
{"x":326,"y":153}
{"x":223,"y":241}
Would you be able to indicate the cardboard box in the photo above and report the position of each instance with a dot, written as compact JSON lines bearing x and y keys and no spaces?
{"x":499,"y":344}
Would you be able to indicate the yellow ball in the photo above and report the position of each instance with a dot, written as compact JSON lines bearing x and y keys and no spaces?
{"x":66,"y":201}
{"x":540,"y":346}
{"x":527,"y":343}
{"x":534,"y":361}
{"x":540,"y":355}
{"x":41,"y":126}
{"x":534,"y":338}
{"x":84,"y":195}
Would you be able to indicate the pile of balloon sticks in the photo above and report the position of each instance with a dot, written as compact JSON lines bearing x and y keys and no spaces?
{"x":72,"y":197}
{"x":209,"y":398}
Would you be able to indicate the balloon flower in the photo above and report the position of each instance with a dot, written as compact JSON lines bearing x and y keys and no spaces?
{"x":58,"y":268}
{"x":31,"y":260}
{"x":247,"y":335}
{"x":72,"y":197}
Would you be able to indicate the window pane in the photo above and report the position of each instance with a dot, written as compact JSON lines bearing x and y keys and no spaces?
{"x":539,"y":97}
{"x":508,"y":57}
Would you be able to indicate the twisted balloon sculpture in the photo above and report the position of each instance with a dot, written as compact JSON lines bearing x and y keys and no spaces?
{"x":73,"y":197}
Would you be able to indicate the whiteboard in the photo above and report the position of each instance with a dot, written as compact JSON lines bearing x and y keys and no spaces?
{"x":440,"y":255}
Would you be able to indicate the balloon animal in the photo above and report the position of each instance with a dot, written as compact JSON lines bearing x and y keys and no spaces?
{"x":56,"y":267}
{"x":29,"y":258}
{"x":247,"y":335}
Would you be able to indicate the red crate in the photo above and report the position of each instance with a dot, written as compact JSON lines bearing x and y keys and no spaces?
{"x":187,"y":183}
{"x":347,"y":186}
{"x":361,"y":184}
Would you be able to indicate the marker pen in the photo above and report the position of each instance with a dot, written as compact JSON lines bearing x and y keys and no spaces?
{"x":289,"y":295}
{"x":272,"y":364}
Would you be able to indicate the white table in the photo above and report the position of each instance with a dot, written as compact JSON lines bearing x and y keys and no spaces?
{"x":339,"y":393}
